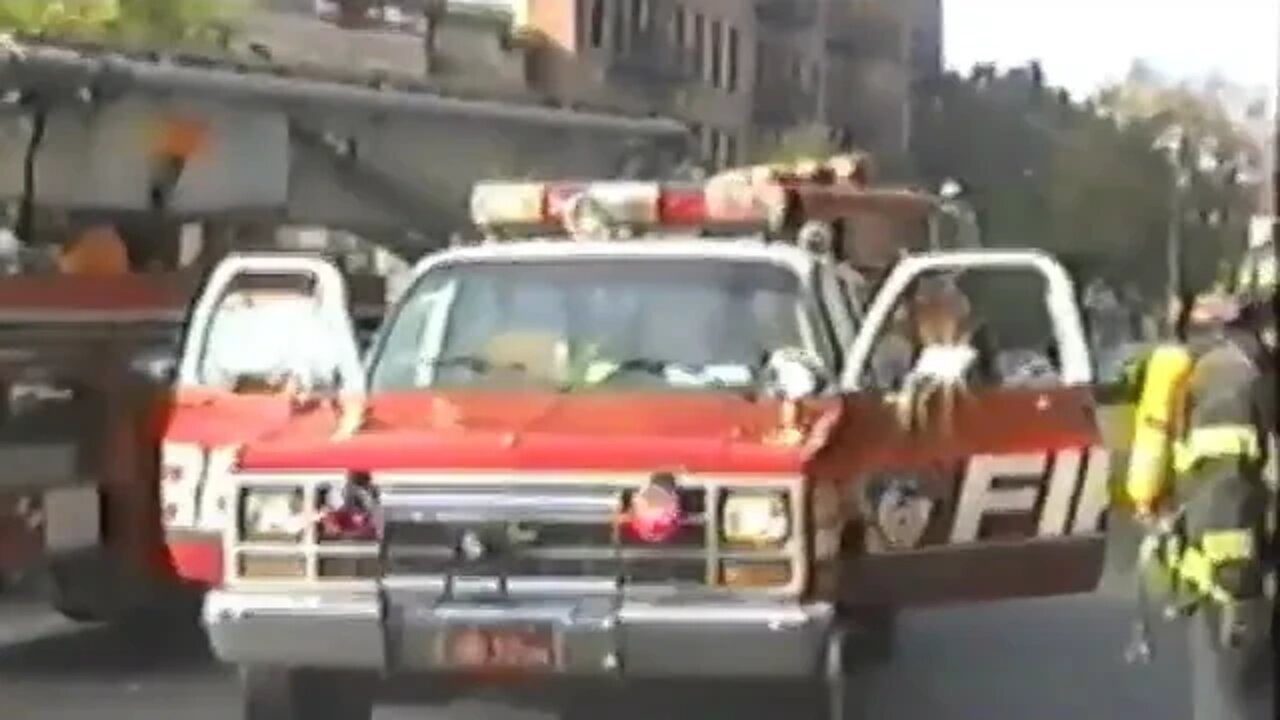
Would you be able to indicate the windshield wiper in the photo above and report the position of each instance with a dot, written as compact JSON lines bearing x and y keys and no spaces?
{"x":657,"y":368}
{"x":478,"y":365}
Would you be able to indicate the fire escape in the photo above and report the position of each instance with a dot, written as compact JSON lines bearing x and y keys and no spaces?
{"x":647,"y":56}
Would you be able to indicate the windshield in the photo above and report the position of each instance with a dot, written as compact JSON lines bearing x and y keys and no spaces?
{"x":593,"y":323}
{"x":269,"y":340}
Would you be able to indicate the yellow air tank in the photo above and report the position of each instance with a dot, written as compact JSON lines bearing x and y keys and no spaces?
{"x":1155,"y":423}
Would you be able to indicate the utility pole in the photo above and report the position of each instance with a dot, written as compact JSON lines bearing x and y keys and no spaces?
{"x":1275,"y":174}
{"x":1174,"y":144}
{"x":1174,"y":249}
{"x":1275,"y":209}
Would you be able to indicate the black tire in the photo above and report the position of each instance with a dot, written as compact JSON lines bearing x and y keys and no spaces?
{"x":91,"y":588}
{"x":873,"y":635}
{"x":271,"y":693}
{"x":85,"y":588}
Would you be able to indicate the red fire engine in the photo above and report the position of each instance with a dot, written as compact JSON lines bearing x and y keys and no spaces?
{"x":644,"y":431}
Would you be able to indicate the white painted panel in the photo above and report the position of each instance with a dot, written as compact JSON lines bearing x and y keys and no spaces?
{"x":101,"y":158}
{"x":71,"y":517}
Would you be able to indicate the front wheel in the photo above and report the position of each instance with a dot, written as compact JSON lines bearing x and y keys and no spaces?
{"x":88,"y":587}
{"x":305,"y":694}
{"x":873,"y":639}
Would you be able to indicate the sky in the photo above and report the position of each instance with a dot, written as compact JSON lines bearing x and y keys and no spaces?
{"x":1083,"y":44}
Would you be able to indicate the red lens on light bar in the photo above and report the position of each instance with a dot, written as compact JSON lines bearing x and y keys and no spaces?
{"x":683,"y":207}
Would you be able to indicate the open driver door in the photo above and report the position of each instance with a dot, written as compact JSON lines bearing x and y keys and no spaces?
{"x":996,"y":488}
{"x":270,"y":343}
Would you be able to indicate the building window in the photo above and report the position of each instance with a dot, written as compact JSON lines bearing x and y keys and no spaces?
{"x":639,"y":16}
{"x":678,"y":21}
{"x":717,"y":54}
{"x":730,"y":149}
{"x":619,"y":26}
{"x":699,"y":44}
{"x":732,"y":69}
{"x":596,"y":22}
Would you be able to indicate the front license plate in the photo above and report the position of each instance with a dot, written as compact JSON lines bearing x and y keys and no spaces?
{"x":527,"y":647}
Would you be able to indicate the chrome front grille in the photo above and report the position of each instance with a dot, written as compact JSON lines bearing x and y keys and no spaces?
{"x":543,"y":535}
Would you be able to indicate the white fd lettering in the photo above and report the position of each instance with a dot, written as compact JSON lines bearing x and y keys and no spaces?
{"x":979,"y":496}
{"x":1096,"y":495}
{"x":1061,"y":490}
{"x":1064,"y":488}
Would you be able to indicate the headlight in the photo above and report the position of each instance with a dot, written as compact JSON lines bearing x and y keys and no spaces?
{"x":756,"y":518}
{"x":276,"y":514}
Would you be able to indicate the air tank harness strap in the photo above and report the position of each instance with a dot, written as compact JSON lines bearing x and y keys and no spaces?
{"x":1216,"y":442}
{"x":1192,"y":571}
{"x":1198,"y":564}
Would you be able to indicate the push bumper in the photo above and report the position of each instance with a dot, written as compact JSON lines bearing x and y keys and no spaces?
{"x":632,"y":640}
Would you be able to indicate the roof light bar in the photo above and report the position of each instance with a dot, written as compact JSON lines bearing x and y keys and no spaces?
{"x":749,"y":199}
{"x":614,"y":208}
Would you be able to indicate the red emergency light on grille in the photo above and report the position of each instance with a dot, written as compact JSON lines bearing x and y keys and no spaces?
{"x":620,"y":205}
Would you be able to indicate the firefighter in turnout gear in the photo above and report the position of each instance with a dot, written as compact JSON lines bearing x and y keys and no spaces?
{"x":1196,"y":476}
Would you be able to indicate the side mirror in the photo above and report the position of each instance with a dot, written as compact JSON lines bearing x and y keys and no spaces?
{"x":793,"y":374}
{"x":1121,"y":373}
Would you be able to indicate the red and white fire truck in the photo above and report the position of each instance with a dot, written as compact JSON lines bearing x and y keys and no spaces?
{"x":645,"y":431}
{"x":88,"y":365}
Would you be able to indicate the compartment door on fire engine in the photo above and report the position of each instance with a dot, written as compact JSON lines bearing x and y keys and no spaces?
{"x":969,"y":451}
{"x":270,"y":341}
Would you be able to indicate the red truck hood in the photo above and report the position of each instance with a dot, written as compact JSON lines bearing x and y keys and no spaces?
{"x":213,"y":419}
{"x":476,"y":430}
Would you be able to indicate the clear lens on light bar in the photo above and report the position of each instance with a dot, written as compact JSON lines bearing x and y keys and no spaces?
{"x":503,"y":203}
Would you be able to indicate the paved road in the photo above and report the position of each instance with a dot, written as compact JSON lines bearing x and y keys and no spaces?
{"x":1047,"y":660}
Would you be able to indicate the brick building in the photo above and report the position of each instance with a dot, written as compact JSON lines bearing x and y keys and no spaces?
{"x":740,"y":72}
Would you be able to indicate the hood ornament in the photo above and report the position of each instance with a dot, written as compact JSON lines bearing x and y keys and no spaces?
{"x":471,"y":546}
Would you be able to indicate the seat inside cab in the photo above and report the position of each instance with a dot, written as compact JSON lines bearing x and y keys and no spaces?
{"x":992,"y":325}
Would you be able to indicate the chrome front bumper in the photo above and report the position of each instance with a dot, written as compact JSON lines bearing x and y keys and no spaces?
{"x":633,"y":639}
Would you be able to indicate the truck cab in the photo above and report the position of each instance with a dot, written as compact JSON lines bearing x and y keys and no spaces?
{"x":653,"y":447}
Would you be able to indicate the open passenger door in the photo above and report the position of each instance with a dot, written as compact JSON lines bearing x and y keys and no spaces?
{"x":270,"y":342}
{"x":996,"y":490}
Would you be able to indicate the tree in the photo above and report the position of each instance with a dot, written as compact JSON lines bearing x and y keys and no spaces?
{"x":1199,"y":131}
{"x":1089,"y":180}
{"x":54,"y":17}
{"x":148,"y":23}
